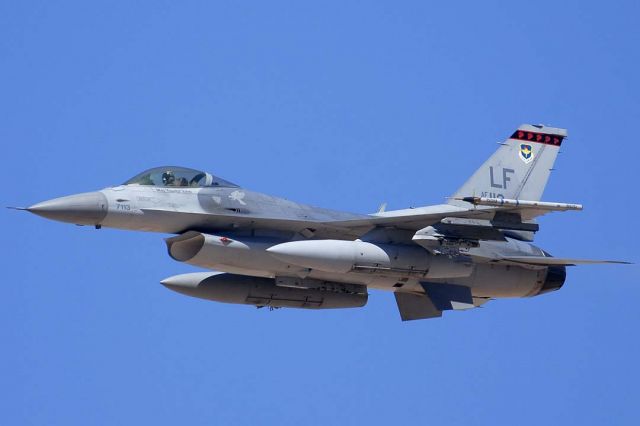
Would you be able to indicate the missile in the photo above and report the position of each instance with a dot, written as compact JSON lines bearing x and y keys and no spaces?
{"x":257,"y":291}
{"x":508,"y":202}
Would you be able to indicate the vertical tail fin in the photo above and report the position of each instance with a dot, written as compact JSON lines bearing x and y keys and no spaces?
{"x":520,"y":168}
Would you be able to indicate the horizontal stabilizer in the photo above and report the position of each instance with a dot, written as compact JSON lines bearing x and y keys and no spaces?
{"x":544,"y":261}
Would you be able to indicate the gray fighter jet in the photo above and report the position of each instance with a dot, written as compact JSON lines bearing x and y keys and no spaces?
{"x":267,"y":251}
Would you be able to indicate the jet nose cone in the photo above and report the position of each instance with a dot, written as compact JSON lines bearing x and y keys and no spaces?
{"x":89,"y":208}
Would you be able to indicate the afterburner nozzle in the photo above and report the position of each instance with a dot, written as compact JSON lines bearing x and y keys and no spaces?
{"x":89,"y":208}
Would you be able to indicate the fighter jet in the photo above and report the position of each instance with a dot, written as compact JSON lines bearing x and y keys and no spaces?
{"x":266,"y":251}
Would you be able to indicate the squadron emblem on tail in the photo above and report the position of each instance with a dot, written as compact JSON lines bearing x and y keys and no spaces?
{"x":526,"y":153}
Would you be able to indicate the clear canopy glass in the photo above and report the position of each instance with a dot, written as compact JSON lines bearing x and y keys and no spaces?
{"x":171,"y":176}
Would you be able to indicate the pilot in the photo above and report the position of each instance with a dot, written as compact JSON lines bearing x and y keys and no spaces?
{"x":168,"y":178}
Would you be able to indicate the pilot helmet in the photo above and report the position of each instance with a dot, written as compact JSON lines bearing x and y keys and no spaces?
{"x":168,"y":177}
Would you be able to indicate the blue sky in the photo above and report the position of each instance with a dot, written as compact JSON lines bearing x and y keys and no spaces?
{"x":340,"y":104}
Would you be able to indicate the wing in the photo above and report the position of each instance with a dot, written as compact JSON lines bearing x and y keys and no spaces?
{"x":550,"y":261}
{"x":516,"y":211}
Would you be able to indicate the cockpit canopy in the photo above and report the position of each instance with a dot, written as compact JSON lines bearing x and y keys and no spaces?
{"x":171,"y":176}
